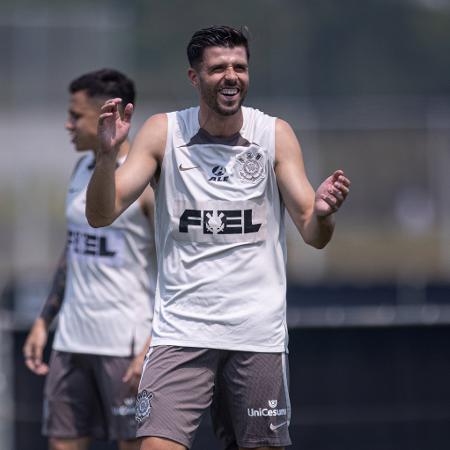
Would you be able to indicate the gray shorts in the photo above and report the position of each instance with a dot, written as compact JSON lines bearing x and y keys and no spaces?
{"x":251,"y":401}
{"x":85,"y":396}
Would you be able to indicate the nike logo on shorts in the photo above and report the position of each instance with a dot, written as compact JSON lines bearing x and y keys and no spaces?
{"x":275,"y":427}
{"x":182,"y":169}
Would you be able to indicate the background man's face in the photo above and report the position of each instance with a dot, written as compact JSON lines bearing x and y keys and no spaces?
{"x":82,"y":121}
{"x":222,"y":79}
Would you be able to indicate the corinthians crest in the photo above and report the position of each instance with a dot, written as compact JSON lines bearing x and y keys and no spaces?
{"x":214,"y":223}
{"x":250,"y":167}
{"x":143,"y":405}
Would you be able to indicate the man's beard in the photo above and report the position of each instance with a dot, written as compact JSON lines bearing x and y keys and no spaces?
{"x":210,"y":97}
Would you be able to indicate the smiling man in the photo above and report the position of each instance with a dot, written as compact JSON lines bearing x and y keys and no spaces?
{"x":225,"y":175}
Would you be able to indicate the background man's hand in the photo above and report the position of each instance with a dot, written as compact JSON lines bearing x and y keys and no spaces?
{"x":34,"y":347}
{"x":133,"y":374}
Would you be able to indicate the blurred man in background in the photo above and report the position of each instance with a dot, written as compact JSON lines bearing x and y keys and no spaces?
{"x":103,"y":292}
{"x":225,"y":174}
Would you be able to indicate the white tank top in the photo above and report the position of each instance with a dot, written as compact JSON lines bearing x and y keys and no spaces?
{"x":220,"y":238}
{"x":111,"y":278}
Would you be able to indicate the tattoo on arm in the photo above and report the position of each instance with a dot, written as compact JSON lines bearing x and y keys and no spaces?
{"x":54,"y":300}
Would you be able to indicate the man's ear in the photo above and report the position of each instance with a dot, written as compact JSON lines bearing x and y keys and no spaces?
{"x":193,"y":76}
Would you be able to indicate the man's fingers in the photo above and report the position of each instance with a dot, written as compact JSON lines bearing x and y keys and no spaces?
{"x":41,"y":369}
{"x":127,"y":377}
{"x":108,"y":107}
{"x":29,"y":352}
{"x":337,"y":174}
{"x":35,"y":364}
{"x":111,"y":106}
{"x":342,"y":188}
{"x":128,"y":112}
{"x":331,"y":200}
{"x":29,"y":362}
{"x":345,"y":181}
{"x":113,"y":101}
{"x":104,"y":116}
{"x":338,"y":194}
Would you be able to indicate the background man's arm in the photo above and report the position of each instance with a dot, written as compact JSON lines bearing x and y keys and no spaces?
{"x":133,"y":374}
{"x":312,"y":212}
{"x":38,"y":335}
{"x":111,"y":191}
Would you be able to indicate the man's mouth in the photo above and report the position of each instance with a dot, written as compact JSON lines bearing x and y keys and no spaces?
{"x":229,"y":92}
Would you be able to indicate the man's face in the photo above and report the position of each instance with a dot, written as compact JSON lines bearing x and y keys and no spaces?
{"x":222,"y":78}
{"x":82,"y":121}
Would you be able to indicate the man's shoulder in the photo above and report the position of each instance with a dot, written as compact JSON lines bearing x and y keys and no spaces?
{"x":184,"y":114}
{"x":256,"y":117}
{"x":155,"y":125}
{"x":185,"y":121}
{"x":83,"y":161}
{"x":157,"y":119}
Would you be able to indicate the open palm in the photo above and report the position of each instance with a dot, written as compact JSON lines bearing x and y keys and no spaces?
{"x":112,"y":128}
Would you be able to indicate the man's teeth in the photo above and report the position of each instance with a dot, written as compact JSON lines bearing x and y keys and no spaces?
{"x":229,"y":91}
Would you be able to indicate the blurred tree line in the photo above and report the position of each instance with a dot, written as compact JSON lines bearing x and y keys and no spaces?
{"x":299,"y":48}
{"x":308,"y":48}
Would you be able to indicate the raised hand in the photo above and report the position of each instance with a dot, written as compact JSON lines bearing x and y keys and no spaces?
{"x":331,"y":194}
{"x":34,"y":348}
{"x":112,"y":128}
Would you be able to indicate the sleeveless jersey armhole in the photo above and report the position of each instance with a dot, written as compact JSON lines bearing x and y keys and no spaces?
{"x":168,"y":147}
{"x":77,"y":166}
{"x":272,"y":140}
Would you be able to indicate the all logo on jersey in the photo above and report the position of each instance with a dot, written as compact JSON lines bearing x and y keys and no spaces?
{"x":105,"y":246}
{"x":250,"y":166}
{"x":225,"y":221}
{"x":89,"y":244}
{"x":219,"y":173}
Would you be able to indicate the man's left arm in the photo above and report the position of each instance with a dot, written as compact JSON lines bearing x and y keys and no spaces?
{"x":133,"y":374}
{"x":312,"y":212}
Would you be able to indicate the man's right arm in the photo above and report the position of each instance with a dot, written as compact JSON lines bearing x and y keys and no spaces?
{"x":111,"y":191}
{"x":37,"y":337}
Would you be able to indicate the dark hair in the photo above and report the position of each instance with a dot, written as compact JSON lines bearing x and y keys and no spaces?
{"x":215,"y":36}
{"x":105,"y":83}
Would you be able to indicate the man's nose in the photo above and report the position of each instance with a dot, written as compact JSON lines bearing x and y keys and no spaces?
{"x":68,"y":125}
{"x":230,"y":74}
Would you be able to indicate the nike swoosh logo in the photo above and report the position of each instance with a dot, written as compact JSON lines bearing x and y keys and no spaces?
{"x":275,"y":427}
{"x":182,"y":169}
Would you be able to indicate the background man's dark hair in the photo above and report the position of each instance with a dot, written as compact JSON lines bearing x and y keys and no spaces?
{"x":105,"y":83}
{"x":216,"y":36}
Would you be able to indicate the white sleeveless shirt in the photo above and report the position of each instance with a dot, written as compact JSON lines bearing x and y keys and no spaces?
{"x":111,"y":277}
{"x":220,"y":238}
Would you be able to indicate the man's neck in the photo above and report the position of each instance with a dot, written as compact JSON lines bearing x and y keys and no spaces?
{"x":220,"y":125}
